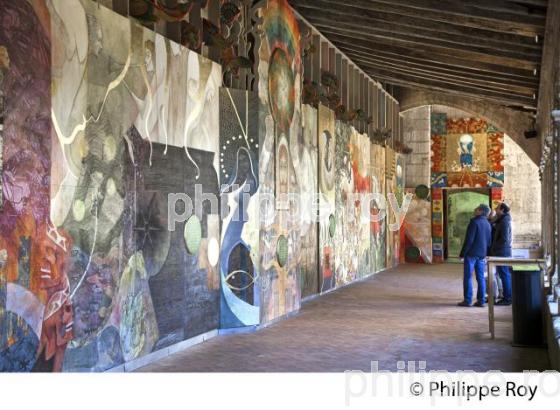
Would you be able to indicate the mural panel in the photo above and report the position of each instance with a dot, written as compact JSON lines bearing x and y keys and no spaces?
{"x":91,"y":261}
{"x":108,"y":131}
{"x":327,"y":216}
{"x":418,"y":229}
{"x":239,"y":178}
{"x":346,"y":238}
{"x":308,"y":175}
{"x":378,"y":208}
{"x":466,"y":152}
{"x":391,"y":188}
{"x":280,"y":128}
{"x":35,"y":308}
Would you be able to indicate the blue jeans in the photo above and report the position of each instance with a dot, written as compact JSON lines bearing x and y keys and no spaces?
{"x":504,"y":272}
{"x":479,"y":266}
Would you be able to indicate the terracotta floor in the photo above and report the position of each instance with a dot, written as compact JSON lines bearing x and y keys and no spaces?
{"x":407,"y":314}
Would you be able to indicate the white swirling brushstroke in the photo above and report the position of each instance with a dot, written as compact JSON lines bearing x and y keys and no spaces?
{"x":67,"y":140}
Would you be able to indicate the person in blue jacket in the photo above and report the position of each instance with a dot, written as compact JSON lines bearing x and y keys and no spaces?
{"x":475,"y":249}
{"x":501,"y":246}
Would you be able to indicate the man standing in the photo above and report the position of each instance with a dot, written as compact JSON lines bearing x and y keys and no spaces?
{"x":474,"y":251}
{"x":501,"y":246}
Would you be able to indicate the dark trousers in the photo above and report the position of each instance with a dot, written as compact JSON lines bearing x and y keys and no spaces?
{"x":504,"y":272}
{"x":479,"y":266}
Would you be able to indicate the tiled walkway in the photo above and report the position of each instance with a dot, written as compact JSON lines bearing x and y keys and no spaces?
{"x":407,"y":314}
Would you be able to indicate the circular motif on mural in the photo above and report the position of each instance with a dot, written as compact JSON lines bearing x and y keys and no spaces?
{"x":332,"y":225}
{"x":281,"y":89}
{"x":422,"y":191}
{"x":213,"y":252}
{"x":412,"y":253}
{"x":193,"y":235}
{"x":78,"y":210}
{"x":282,"y":251}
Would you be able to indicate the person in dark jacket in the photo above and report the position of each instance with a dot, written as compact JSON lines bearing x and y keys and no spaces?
{"x":475,"y":249}
{"x":501,"y":246}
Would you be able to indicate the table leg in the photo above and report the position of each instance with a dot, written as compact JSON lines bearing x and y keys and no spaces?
{"x":490,"y":267}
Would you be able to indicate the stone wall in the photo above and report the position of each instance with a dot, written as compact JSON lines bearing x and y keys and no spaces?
{"x":522,"y":190}
{"x":416,"y":134}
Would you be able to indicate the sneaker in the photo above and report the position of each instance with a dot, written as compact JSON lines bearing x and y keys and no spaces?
{"x":503,"y":302}
{"x":463,"y":304}
{"x":479,"y":304}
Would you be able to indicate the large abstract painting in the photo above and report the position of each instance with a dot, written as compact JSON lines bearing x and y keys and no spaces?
{"x":239,"y":177}
{"x":142,"y":204}
{"x":102,"y":276}
{"x":35,"y":308}
{"x":280,"y":130}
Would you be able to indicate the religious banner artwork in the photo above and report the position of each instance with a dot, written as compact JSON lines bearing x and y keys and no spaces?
{"x":466,"y":153}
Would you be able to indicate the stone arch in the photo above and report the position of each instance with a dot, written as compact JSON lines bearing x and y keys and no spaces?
{"x":514,"y":123}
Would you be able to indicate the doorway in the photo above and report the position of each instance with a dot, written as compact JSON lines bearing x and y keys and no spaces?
{"x":459,"y":206}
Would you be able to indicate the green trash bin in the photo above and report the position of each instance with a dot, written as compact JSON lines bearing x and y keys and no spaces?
{"x":527,"y":307}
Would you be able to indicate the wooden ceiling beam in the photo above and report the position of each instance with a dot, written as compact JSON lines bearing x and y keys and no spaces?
{"x":502,"y":84}
{"x":411,"y":47}
{"x":452,"y":79}
{"x":478,"y":8}
{"x":431,"y":58}
{"x":413,"y":82}
{"x":530,"y":82}
{"x":459,"y":14}
{"x":394,"y":22}
{"x":442,"y":43}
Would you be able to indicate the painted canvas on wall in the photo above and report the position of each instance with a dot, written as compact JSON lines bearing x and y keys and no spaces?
{"x":280,"y":128}
{"x":309,"y":232}
{"x":34,"y":289}
{"x":361,"y":156}
{"x":105,"y":122}
{"x":239,"y":181}
{"x":346,"y":238}
{"x":378,"y":208}
{"x":391,"y":188}
{"x":327,"y":216}
{"x":465,"y":152}
{"x":120,"y":282}
{"x":418,"y":229}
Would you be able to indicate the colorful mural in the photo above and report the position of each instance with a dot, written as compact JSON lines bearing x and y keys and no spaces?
{"x":378,"y":209}
{"x":280,"y":129}
{"x":437,"y":225}
{"x":239,"y":181}
{"x":327,"y":217}
{"x":309,"y":229}
{"x":391,"y":188}
{"x":35,"y":304}
{"x":466,"y":152}
{"x":108,"y":131}
{"x":418,"y":229}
